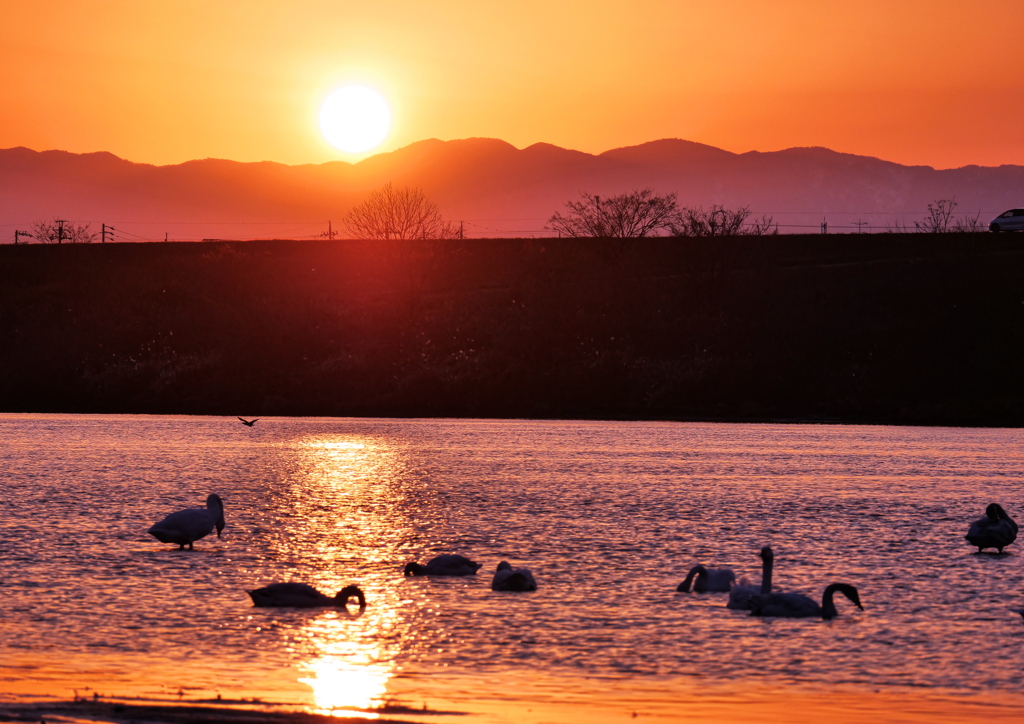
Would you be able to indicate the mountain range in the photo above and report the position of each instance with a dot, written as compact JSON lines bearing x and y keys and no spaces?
{"x":490,"y":186}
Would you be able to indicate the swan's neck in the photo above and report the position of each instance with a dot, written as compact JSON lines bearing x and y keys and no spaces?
{"x":699,"y":572}
{"x":828,"y":606}
{"x":216,"y":508}
{"x":766,"y":576}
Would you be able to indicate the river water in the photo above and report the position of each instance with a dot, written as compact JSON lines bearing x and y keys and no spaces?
{"x":608,"y":515}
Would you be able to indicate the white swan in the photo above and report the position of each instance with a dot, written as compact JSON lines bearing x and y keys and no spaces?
{"x":189,"y":525}
{"x":449,"y":564}
{"x":709,"y":580}
{"x":741,"y":597}
{"x":507,"y":578}
{"x":299,"y":595}
{"x":996,"y":530}
{"x":797,"y":605}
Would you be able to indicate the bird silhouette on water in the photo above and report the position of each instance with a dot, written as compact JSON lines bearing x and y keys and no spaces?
{"x":248,"y":423}
{"x":184,"y":527}
{"x":445,"y":565}
{"x":996,"y":530}
{"x":301,"y":595}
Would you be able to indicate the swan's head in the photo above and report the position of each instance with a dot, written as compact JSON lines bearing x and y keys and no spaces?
{"x":767,"y":554}
{"x":341,"y":599}
{"x":698,"y":571}
{"x":995,"y":512}
{"x":413,"y":569}
{"x":216,"y":505}
{"x":504,"y":566}
{"x":851,"y":593}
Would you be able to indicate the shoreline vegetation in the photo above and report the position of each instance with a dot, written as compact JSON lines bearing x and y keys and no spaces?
{"x":921,"y":329}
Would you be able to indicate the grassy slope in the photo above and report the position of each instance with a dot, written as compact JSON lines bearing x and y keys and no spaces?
{"x":887,"y":328}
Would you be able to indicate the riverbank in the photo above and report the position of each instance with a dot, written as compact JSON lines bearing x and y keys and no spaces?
{"x":886,"y":328}
{"x":841,"y":707}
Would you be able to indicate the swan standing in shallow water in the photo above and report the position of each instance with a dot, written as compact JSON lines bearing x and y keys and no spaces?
{"x":507,"y":578}
{"x":189,"y":525}
{"x":299,"y":595}
{"x":709,"y":580}
{"x":449,"y":564}
{"x":741,"y":597}
{"x":797,"y":605}
{"x":996,"y":530}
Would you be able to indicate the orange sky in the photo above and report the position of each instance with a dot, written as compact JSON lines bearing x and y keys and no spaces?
{"x":914,"y":81}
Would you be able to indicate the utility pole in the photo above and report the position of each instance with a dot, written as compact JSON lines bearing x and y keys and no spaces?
{"x":824,"y":226}
{"x":860,"y":226}
{"x":60,"y":229}
{"x":21,"y":233}
{"x":106,"y":230}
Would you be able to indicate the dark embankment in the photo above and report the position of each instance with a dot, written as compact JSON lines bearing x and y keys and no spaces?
{"x":905,"y":328}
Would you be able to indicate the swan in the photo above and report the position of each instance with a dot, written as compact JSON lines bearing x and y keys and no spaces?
{"x":741,"y":597}
{"x":996,"y":530}
{"x":449,"y":564}
{"x":797,"y":605}
{"x":507,"y":578}
{"x":299,"y":595}
{"x":709,"y":580}
{"x":191,"y":524}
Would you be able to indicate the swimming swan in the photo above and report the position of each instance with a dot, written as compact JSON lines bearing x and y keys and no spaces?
{"x":741,"y":597}
{"x":507,"y":578}
{"x":995,"y":530}
{"x":709,"y":580}
{"x":191,"y":524}
{"x":299,"y":595}
{"x":449,"y":564}
{"x":797,"y":605}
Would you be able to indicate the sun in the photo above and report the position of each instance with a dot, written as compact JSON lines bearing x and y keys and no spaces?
{"x":354,"y":119}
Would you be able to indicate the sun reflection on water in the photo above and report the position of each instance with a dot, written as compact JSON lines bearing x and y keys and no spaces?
{"x":351,"y":485}
{"x":348,"y":675}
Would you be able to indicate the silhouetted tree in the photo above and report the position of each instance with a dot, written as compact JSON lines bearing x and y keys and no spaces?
{"x":627,"y":216}
{"x":59,"y":231}
{"x":399,"y":213}
{"x":940,"y":219}
{"x":720,"y":221}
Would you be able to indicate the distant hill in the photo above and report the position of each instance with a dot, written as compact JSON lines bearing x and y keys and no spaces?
{"x":496,"y":189}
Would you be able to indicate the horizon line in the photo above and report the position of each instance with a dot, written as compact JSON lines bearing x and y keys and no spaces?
{"x":507,"y":143}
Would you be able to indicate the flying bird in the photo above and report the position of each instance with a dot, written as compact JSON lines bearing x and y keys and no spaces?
{"x":300,"y":595}
{"x":449,"y":564}
{"x":189,"y":525}
{"x":996,"y":530}
{"x":507,"y":578}
{"x":248,"y":423}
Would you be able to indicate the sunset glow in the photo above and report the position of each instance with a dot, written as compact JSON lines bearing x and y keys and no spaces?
{"x":354,"y":119}
{"x":913,"y":82}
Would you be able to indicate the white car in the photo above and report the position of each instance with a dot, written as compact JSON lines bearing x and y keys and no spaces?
{"x":1012,"y":220}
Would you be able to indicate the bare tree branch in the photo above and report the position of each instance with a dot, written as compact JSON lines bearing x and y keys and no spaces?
{"x":399,"y":213}
{"x":59,"y":231}
{"x":720,"y":221}
{"x":629,"y":215}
